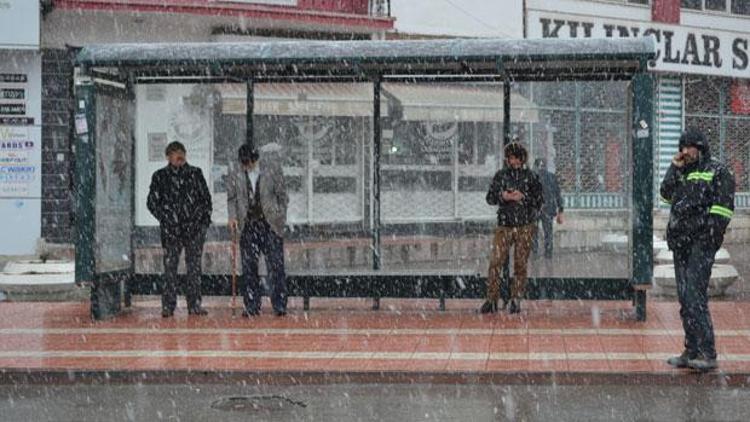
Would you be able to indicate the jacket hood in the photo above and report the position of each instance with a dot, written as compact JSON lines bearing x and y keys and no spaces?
{"x":695,"y":137}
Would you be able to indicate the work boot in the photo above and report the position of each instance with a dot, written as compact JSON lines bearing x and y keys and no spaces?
{"x":680,"y":361}
{"x":515,"y":306}
{"x":703,"y":364}
{"x":488,"y":307}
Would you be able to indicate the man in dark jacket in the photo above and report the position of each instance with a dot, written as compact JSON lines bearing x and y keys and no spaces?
{"x":180,"y":200}
{"x":552,"y":208}
{"x":517,"y":192}
{"x":701,"y":193}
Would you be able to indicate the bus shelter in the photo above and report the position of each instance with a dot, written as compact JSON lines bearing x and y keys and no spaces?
{"x":388,"y":148}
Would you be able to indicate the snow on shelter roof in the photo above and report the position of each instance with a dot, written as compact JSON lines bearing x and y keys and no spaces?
{"x":403,"y":57}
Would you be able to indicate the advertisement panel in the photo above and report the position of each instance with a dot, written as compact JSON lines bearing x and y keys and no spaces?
{"x":20,"y":150}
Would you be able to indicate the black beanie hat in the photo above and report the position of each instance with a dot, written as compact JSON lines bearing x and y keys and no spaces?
{"x":247,"y":153}
{"x":517,"y":150}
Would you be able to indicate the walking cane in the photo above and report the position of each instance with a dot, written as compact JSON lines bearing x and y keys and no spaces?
{"x":234,"y":270}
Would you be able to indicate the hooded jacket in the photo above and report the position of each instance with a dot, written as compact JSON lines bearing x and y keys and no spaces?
{"x":701,"y":198}
{"x":511,"y":213}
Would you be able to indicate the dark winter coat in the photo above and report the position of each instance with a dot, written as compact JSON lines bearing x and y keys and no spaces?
{"x":701,"y":196}
{"x":510,"y":213}
{"x":179,"y":198}
{"x":553,"y":203}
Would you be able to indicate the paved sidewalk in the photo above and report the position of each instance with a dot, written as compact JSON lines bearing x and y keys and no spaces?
{"x":344,"y":336}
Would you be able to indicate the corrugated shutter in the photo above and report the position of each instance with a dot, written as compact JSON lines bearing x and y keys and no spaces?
{"x":669,"y":120}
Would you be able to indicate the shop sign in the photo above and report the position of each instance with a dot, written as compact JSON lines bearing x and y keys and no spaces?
{"x":680,"y":49}
{"x":13,"y":96}
{"x":19,"y":162}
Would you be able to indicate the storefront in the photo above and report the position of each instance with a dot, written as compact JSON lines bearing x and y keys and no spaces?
{"x":703,"y":68}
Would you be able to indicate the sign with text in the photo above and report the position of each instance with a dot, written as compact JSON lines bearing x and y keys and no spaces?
{"x":12,"y":94}
{"x":19,"y":20}
{"x":20,"y":162}
{"x":679,"y":48}
{"x":14,"y":78}
{"x":14,"y":109}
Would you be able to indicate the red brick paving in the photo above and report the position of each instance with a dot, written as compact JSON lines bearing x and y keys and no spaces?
{"x":346,"y":335}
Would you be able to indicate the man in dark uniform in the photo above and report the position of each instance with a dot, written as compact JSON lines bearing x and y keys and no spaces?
{"x":517,"y":192}
{"x":552,"y":208}
{"x":179,"y":198}
{"x":701,"y":193}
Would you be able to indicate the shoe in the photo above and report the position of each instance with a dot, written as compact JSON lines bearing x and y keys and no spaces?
{"x":198,"y":311}
{"x":280,"y":313}
{"x":680,"y":361}
{"x":515,"y":306}
{"x":248,"y":314}
{"x":488,"y":307}
{"x":166,"y":313}
{"x":702,"y":364}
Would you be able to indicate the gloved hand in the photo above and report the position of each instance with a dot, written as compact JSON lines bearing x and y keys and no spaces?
{"x":717,"y":226}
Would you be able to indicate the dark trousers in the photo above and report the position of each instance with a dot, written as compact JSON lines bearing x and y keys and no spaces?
{"x":193,"y":246}
{"x":258,"y":237}
{"x":549,"y":236}
{"x":692,"y":266}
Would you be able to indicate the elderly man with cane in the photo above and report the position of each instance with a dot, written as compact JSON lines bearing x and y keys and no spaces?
{"x":257,"y":205}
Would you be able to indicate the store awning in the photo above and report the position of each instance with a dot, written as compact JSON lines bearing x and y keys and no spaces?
{"x":418,"y":102}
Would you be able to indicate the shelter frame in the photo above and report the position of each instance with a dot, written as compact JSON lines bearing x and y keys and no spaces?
{"x":118,"y":68}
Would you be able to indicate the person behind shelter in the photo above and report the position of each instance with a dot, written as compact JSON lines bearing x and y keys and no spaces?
{"x":257,"y":205}
{"x":700,"y":191}
{"x":552,"y":208}
{"x":180,"y":200}
{"x":517,"y":192}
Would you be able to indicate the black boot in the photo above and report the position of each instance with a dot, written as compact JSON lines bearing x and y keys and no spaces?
{"x":488,"y":307}
{"x":515,"y":306}
{"x":702,"y":363}
{"x":682,"y":360}
{"x":197,"y":310}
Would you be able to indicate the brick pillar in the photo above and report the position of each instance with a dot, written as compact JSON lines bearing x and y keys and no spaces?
{"x":57,"y":154}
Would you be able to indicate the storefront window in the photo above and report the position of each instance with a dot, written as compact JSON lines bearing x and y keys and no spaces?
{"x":741,"y":7}
{"x":692,"y":4}
{"x":716,"y":107}
{"x":718,"y":5}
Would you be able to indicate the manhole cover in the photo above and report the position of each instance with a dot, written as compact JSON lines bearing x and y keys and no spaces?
{"x":259,"y":404}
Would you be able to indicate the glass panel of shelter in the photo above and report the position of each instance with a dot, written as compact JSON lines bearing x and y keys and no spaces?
{"x":114,"y":174}
{"x":581,"y":131}
{"x":441,"y":145}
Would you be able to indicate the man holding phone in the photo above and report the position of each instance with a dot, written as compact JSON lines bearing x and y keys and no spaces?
{"x":517,"y":192}
{"x":700,"y":191}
